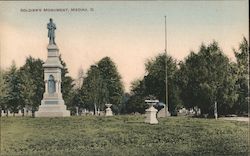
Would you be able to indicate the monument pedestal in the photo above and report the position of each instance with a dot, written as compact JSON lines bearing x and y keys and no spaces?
{"x":52,"y":104}
{"x":52,"y":111}
{"x":151,"y":116}
{"x":151,"y":112}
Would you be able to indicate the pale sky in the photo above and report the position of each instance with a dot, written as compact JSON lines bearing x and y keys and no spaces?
{"x":129,"y":32}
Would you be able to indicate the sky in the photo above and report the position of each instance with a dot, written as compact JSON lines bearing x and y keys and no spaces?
{"x":129,"y":32}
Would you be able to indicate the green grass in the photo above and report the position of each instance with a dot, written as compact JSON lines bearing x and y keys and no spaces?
{"x":121,"y":135}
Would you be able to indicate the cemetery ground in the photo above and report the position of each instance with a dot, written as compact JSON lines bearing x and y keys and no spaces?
{"x":122,"y":135}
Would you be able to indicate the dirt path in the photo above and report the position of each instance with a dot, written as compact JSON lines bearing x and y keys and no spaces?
{"x":246,"y":119}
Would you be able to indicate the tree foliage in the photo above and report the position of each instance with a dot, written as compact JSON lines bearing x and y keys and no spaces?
{"x":32,"y":83}
{"x":13,"y":98}
{"x":135,"y":102}
{"x":102,"y":85}
{"x":155,"y":80}
{"x":206,"y":78}
{"x":3,"y":90}
{"x":112,"y":84}
{"x":154,"y":84}
{"x":67,"y":85}
{"x":94,"y":89}
{"x":242,"y":57}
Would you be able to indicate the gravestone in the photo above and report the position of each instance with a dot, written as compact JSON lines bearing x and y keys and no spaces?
{"x":52,"y":104}
{"x":19,"y":113}
{"x":84,"y":112}
{"x":25,"y":111}
{"x":77,"y":111}
{"x":9,"y":113}
{"x":151,"y":112}
{"x":3,"y":113}
{"x":108,"y":110}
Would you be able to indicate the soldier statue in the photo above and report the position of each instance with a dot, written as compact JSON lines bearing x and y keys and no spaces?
{"x":51,"y":31}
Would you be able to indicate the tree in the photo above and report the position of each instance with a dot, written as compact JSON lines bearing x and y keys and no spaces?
{"x":3,"y":90}
{"x":135,"y":102}
{"x":154,"y":85}
{"x":155,"y":80}
{"x":94,"y":89}
{"x":13,"y":98}
{"x":242,"y":55}
{"x":112,"y":84}
{"x":67,"y":86}
{"x":32,"y":83}
{"x":206,"y":78}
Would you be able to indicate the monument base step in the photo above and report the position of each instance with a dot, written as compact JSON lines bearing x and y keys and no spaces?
{"x":52,"y":111}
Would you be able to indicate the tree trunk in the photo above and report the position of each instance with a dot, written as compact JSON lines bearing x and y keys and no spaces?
{"x":33,"y":112}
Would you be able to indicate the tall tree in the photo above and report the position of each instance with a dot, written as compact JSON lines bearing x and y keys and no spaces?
{"x":155,"y":80}
{"x":94,"y":89}
{"x":13,"y":98}
{"x":67,"y":85}
{"x":206,"y":78}
{"x":242,"y":57}
{"x":154,"y":84}
{"x":3,"y":90}
{"x":32,"y":83}
{"x":135,"y":102}
{"x":112,"y":83}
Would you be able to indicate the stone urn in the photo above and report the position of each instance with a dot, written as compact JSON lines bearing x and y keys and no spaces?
{"x":108,"y":110}
{"x":151,"y":112}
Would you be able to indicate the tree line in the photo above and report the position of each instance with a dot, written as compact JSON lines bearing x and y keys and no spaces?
{"x":201,"y":79}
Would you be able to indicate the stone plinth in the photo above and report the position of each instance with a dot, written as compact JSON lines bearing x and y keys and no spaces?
{"x":108,"y":110}
{"x":52,"y":104}
{"x":151,"y":112}
{"x":58,"y":110}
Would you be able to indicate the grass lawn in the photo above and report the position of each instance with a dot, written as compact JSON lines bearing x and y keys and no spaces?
{"x":122,"y":135}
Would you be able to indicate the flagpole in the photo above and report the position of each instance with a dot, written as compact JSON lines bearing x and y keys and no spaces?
{"x":166,"y":66}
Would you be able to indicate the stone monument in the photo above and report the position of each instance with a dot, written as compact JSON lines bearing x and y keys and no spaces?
{"x":108,"y":110}
{"x":52,"y":104}
{"x":151,"y":112}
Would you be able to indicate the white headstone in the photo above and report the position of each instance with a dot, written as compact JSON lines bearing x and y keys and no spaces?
{"x":9,"y":113}
{"x":2,"y":113}
{"x":91,"y":112}
{"x":19,"y":113}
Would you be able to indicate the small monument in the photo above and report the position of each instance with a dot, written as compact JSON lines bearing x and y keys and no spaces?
{"x":52,"y":104}
{"x":108,"y":110}
{"x":151,"y":112}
